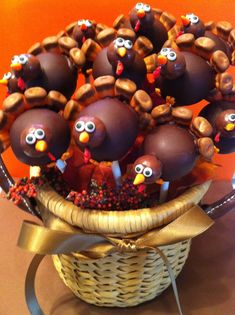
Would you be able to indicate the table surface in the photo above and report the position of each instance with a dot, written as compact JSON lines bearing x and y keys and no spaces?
{"x":206,"y":285}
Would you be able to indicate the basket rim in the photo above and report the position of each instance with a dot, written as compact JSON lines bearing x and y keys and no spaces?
{"x":124,"y":221}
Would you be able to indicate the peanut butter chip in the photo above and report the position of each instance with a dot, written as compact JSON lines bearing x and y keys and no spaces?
{"x":126,"y":33}
{"x":168,"y":20}
{"x":106,"y":36}
{"x":182,"y":114}
{"x":201,"y":127}
{"x":78,"y":57}
{"x":142,"y":100}
{"x":50,"y":42}
{"x":119,"y":21}
{"x":204,"y":44}
{"x":85,"y":92}
{"x":125,"y":87}
{"x":161,"y":111}
{"x":90,"y":49}
{"x":223,"y":29}
{"x":13,"y":102}
{"x":220,"y":61}
{"x":57,"y":100}
{"x":231,"y":38}
{"x":35,"y":96}
{"x":206,"y":147}
{"x":70,"y":27}
{"x":104,"y":82}
{"x":71,"y":110}
{"x":143,"y":46}
{"x":3,"y":119}
{"x":35,"y":49}
{"x":224,"y":82}
{"x":66,"y":43}
{"x":185,"y":41}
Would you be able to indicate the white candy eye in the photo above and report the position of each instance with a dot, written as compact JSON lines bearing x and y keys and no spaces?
{"x":148,"y":172}
{"x":23,"y":59}
{"x":139,"y":6}
{"x":80,"y":126}
{"x":171,"y":56}
{"x":165,"y":51}
{"x":88,"y":23}
{"x":128,"y":44}
{"x":39,"y":133}
{"x":80,"y":22}
{"x":7,"y":76}
{"x":194,"y":19}
{"x":147,"y":8}
{"x":15,"y":59}
{"x":30,"y":138}
{"x":119,"y":42}
{"x":90,"y":126}
{"x":139,"y":168}
{"x":231,"y":117}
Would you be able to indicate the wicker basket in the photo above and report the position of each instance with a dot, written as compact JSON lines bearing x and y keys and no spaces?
{"x":120,"y":279}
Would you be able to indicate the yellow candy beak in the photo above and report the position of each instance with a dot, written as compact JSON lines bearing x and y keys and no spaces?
{"x":185,"y":20}
{"x":41,"y":146}
{"x":121,"y":51}
{"x":84,"y":137}
{"x":140,"y":13}
{"x":229,"y":127}
{"x":16,"y":66}
{"x":162,"y":60}
{"x":3,"y":81}
{"x":139,"y":179}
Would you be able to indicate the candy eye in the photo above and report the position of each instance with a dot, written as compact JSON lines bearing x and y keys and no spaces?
{"x":147,"y":8}
{"x":80,"y":22}
{"x":128,"y":44}
{"x":39,"y":134}
{"x":7,"y":76}
{"x":231,"y":117}
{"x":171,"y":56}
{"x":119,"y":42}
{"x":80,"y":126}
{"x":30,"y":138}
{"x":88,"y":23}
{"x":165,"y":51}
{"x":90,"y":126}
{"x":23,"y":59}
{"x":15,"y":59}
{"x":148,"y":172}
{"x":139,"y":6}
{"x":194,"y":19}
{"x":139,"y":168}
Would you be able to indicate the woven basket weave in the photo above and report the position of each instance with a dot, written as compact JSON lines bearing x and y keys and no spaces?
{"x":120,"y":279}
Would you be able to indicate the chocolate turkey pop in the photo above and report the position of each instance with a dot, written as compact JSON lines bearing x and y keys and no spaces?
{"x":47,"y":70}
{"x":83,"y":30}
{"x":106,"y":130}
{"x":39,"y":137}
{"x":119,"y":59}
{"x":11,"y":82}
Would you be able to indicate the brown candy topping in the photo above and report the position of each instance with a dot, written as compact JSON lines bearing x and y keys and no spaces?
{"x":90,"y":49}
{"x":219,"y":61}
{"x":105,"y":86}
{"x":223,"y":29}
{"x":151,"y":62}
{"x":201,"y":127}
{"x":35,"y":49}
{"x":168,"y":20}
{"x":204,"y":47}
{"x":162,"y":113}
{"x":35,"y":96}
{"x":50,"y":42}
{"x":143,"y":46}
{"x":3,"y":119}
{"x":66,"y":43}
{"x":71,"y":110}
{"x":78,"y":57}
{"x":182,"y":115}
{"x":14,"y":103}
{"x":224,"y":82}
{"x":231,"y":38}
{"x":125,"y":88}
{"x":126,"y":33}
{"x":210,"y":26}
{"x":56,"y":100}
{"x":185,"y":41}
{"x":86,"y":94}
{"x":106,"y":36}
{"x":70,"y":27}
{"x":119,"y":21}
{"x":206,"y":147}
{"x":141,"y":101}
{"x":100,"y":27}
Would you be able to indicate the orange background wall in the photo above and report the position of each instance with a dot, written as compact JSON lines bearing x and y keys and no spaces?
{"x":24,"y":22}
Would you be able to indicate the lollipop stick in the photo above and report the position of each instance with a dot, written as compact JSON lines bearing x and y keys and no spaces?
{"x":117,"y":173}
{"x":233,"y":180}
{"x":164,"y":191}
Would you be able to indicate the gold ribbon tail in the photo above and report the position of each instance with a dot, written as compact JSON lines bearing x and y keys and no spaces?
{"x":172,"y":277}
{"x":30,"y":294}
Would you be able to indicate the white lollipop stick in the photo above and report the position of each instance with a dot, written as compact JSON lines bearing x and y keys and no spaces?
{"x":117,"y":173}
{"x":164,"y":191}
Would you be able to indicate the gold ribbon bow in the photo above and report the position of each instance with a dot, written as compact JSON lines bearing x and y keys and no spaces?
{"x":60,"y":238}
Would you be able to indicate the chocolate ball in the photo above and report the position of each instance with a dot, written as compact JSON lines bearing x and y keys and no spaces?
{"x":174,"y":147}
{"x":194,"y":85}
{"x":39,"y":134}
{"x":121,"y":127}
